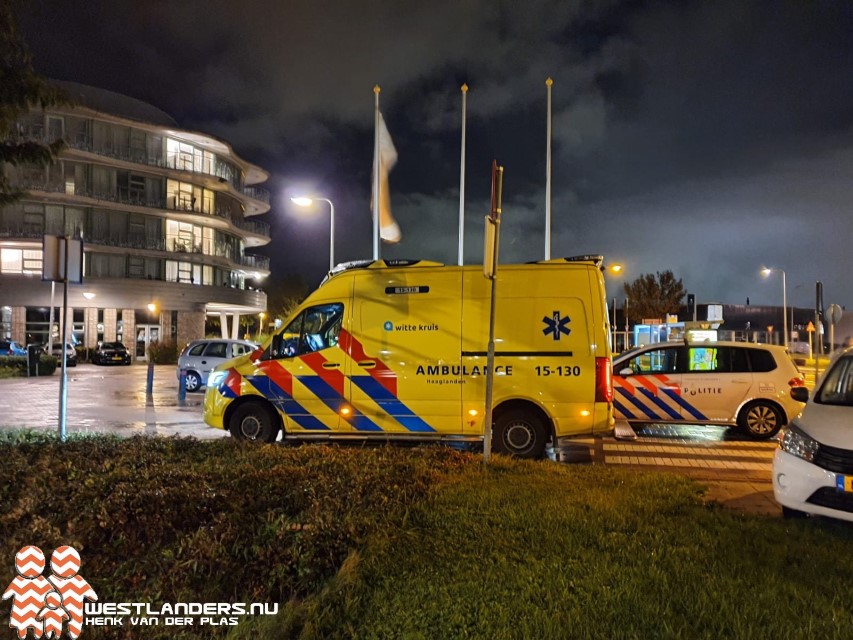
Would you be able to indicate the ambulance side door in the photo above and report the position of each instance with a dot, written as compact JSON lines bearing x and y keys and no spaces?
{"x":405,"y":369}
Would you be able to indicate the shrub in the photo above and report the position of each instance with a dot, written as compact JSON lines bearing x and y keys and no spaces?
{"x":163,"y":352}
{"x":84,"y":354}
{"x":170,"y":519}
{"x":16,"y":366}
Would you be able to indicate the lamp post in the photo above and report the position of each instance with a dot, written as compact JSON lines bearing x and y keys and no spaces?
{"x":615,"y":269}
{"x":766,"y":271}
{"x":304,"y":201}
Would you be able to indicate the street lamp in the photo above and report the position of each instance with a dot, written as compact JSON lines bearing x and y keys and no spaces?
{"x":615,"y":269}
{"x":766,"y":271}
{"x":304,"y":201}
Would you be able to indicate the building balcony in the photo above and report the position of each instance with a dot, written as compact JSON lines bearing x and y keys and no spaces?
{"x":254,"y":227}
{"x":257,"y":193}
{"x":254,"y":261}
{"x":138,"y":156}
{"x":221,"y":210}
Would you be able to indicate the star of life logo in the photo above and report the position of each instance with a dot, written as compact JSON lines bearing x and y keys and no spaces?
{"x":47,"y":604}
{"x":556,"y":325}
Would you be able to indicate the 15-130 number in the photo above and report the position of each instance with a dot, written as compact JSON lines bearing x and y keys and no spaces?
{"x":558,"y":371}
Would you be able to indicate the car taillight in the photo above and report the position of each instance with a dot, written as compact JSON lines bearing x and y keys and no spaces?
{"x":603,"y":380}
{"x":798,"y":381}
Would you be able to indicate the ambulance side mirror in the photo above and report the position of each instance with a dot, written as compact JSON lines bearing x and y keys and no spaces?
{"x":627,"y":371}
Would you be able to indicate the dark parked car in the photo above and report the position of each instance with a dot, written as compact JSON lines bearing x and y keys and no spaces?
{"x":111,"y":353}
{"x":11,"y":348}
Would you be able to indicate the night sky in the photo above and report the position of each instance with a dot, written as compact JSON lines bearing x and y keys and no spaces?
{"x":704,"y":137}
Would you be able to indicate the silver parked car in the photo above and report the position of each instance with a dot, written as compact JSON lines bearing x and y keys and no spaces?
{"x":199,"y":358}
{"x":70,"y":353}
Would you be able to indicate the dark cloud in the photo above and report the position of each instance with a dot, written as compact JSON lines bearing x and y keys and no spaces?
{"x":703,"y":137}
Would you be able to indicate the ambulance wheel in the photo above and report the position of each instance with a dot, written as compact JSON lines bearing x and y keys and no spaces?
{"x":253,"y":421}
{"x":760,"y":420}
{"x":520,"y":433}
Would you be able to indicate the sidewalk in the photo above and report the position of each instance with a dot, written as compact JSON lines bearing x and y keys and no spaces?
{"x":745,"y":497}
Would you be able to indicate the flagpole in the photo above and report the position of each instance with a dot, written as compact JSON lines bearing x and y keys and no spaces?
{"x":548,"y":84}
{"x":462,"y":177}
{"x":376,"y":91}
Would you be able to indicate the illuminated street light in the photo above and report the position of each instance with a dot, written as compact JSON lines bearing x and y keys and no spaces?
{"x":304,"y":201}
{"x":766,"y":271}
{"x":615,"y":269}
{"x":152,"y":307}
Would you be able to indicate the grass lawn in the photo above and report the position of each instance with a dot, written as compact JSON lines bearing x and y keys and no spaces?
{"x":416,"y":543}
{"x":545,"y":551}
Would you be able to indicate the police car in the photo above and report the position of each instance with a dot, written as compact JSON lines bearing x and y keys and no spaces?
{"x":727,"y":383}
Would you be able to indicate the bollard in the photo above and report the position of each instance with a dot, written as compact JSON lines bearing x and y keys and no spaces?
{"x":182,"y":388}
{"x":149,"y":386}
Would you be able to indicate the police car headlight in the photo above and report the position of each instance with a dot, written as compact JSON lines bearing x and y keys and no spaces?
{"x":216,"y":378}
{"x":797,"y":443}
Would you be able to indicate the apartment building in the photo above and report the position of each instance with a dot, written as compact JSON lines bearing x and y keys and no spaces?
{"x":167,"y":217}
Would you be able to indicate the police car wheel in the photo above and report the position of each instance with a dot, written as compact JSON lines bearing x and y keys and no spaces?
{"x":252,"y":421}
{"x":520,"y":434}
{"x":193,"y":381}
{"x":760,"y":420}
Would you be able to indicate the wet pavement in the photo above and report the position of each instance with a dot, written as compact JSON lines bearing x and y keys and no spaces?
{"x":108,"y":399}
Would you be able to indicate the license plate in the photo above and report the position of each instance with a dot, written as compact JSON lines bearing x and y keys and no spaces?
{"x":844,"y":483}
{"x":116,"y":357}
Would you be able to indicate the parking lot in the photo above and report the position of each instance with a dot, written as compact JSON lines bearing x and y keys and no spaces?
{"x":105,"y":399}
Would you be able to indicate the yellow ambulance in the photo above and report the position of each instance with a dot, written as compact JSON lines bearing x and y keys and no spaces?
{"x":397,"y":350}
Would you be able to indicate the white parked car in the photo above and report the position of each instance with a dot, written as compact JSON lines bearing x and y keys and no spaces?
{"x":740,"y":384}
{"x":199,"y":358}
{"x":813,"y":467}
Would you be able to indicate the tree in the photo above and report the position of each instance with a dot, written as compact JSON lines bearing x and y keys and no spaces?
{"x":653,"y":296}
{"x":20,"y":90}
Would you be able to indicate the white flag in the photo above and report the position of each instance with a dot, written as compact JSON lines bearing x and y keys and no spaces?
{"x":389,"y":230}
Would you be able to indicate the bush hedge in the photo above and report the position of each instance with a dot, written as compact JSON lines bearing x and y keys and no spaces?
{"x":16,"y":366}
{"x":163,"y":352}
{"x":179,"y":520}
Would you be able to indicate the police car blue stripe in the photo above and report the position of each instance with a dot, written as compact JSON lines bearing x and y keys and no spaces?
{"x":391,"y":404}
{"x":622,"y":410}
{"x":685,"y":405}
{"x":332,"y":399}
{"x":672,"y":413}
{"x":645,"y":410}
{"x":286,"y":404}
